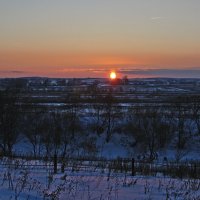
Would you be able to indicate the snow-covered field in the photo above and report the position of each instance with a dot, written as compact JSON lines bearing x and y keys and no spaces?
{"x":20,"y":182}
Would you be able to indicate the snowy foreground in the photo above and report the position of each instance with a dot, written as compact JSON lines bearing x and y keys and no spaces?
{"x":38,"y":182}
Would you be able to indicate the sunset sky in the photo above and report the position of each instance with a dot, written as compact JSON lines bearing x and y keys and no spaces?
{"x":89,"y":38}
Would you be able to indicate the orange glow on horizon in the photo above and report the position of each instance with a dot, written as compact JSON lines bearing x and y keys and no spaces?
{"x":63,"y":64}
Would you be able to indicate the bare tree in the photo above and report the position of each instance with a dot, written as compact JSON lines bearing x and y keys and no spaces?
{"x":47,"y":133}
{"x":112,"y":113}
{"x":179,"y":114}
{"x":60,"y":129}
{"x":33,"y":130}
{"x":146,"y":127}
{"x":8,"y":121}
{"x":96,"y":121}
{"x":195,"y":108}
{"x":72,"y":109}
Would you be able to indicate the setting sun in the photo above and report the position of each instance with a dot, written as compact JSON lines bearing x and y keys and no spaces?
{"x":113,"y":75}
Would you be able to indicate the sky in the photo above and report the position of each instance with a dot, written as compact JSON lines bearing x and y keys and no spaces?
{"x":89,"y":38}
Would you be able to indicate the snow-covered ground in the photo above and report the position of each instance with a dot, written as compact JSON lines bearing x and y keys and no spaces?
{"x":116,"y":148}
{"x":19,"y":182}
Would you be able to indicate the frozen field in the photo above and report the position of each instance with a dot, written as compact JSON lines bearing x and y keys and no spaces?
{"x":18,"y":182}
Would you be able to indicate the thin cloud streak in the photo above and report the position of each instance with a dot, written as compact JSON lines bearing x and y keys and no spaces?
{"x":170,"y":73}
{"x":156,"y":18}
{"x":13,"y":72}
